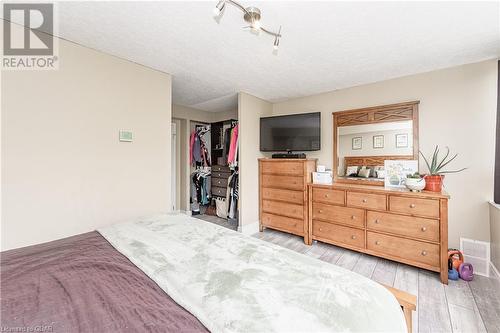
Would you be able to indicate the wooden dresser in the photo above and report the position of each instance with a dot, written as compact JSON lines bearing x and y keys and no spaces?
{"x":283,"y":194}
{"x":395,"y":224}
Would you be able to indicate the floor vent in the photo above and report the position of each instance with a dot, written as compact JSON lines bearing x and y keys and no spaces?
{"x":476,"y":253}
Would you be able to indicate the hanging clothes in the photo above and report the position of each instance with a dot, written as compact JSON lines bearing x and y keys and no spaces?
{"x":232,"y":196}
{"x":231,"y":157}
{"x":198,"y":149}
{"x":200,"y":187}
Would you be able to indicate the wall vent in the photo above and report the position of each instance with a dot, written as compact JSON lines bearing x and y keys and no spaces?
{"x":476,"y":253}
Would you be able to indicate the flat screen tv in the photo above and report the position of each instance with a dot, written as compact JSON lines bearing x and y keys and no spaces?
{"x":298,"y":132}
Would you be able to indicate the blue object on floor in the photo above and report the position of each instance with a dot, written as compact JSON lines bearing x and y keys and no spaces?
{"x":453,"y":274}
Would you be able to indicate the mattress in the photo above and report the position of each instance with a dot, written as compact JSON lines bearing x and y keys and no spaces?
{"x":236,"y":283}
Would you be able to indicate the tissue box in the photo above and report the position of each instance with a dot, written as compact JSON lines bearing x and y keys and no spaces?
{"x":320,"y":168}
{"x":322,"y":178}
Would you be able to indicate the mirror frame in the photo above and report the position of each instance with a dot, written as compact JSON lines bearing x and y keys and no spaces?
{"x":374,"y":115}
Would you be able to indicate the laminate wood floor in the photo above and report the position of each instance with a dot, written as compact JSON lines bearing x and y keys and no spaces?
{"x":459,"y":306}
{"x":217,"y":220}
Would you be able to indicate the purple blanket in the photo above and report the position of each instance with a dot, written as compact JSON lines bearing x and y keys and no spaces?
{"x":82,"y":284}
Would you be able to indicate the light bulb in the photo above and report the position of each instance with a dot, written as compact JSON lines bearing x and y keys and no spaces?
{"x":276,"y":43}
{"x":219,"y":8}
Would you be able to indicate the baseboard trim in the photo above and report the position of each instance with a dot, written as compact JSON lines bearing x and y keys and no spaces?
{"x":249,"y":229}
{"x":495,"y":270}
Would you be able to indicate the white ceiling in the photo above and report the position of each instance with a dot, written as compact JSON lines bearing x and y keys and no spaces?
{"x":325,"y":45}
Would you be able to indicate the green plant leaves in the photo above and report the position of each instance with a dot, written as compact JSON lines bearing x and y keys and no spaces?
{"x":436,"y":166}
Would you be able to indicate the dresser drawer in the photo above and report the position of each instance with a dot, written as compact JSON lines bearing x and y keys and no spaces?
{"x":345,"y":215}
{"x":407,"y":249}
{"x":339,"y":234}
{"x":285,"y":182}
{"x":417,"y":227}
{"x":283,"y":168}
{"x":220,"y":174}
{"x":290,"y":196}
{"x":366,"y":200}
{"x":219,"y":182}
{"x":219,"y":191}
{"x":281,"y":208}
{"x":329,"y":196}
{"x":220,"y":168}
{"x":414,"y":206}
{"x":283,"y":223}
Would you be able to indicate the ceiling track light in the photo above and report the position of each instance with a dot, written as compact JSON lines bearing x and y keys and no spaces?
{"x":252,"y":15}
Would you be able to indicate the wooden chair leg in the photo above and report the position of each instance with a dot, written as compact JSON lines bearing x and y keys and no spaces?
{"x":407,"y":313}
{"x":408,"y":304}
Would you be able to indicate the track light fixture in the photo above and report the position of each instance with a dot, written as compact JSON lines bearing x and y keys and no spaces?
{"x":251,"y":15}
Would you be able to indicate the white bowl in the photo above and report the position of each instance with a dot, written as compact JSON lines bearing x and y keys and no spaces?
{"x":415,"y":184}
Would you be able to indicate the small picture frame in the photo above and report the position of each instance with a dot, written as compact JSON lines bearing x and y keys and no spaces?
{"x":402,"y":140}
{"x":378,"y":141}
{"x":357,"y":143}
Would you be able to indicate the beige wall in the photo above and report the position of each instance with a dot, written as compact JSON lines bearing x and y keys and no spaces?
{"x":184,"y":112}
{"x":64,"y":171}
{"x":495,"y":234}
{"x":250,"y":109}
{"x":224,"y":115}
{"x":457,"y":109}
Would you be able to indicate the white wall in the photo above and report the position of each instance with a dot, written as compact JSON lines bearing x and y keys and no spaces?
{"x":250,"y":109}
{"x":64,"y":171}
{"x":495,"y":234}
{"x":457,"y":109}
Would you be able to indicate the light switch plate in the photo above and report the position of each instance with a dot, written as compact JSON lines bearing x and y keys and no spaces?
{"x":126,"y":136}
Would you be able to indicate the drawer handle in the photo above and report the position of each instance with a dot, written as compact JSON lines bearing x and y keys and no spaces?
{"x":320,"y":211}
{"x":423,"y":229}
{"x":295,"y":224}
{"x":353,"y":237}
{"x":326,"y":195}
{"x":365,"y":200}
{"x":377,"y":243}
{"x":353,"y":217}
{"x":376,"y":221}
{"x":320,"y":229}
{"x":424,"y":253}
{"x":412,"y":205}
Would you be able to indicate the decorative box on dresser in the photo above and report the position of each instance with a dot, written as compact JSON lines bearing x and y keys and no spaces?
{"x":283,"y":194}
{"x":396,"y":224}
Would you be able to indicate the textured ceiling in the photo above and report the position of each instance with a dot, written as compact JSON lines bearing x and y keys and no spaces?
{"x":325,"y":45}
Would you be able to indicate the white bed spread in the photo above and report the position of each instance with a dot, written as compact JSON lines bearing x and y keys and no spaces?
{"x":236,"y":283}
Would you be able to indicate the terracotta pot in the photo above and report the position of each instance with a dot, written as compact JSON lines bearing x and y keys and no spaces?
{"x":434,"y":183}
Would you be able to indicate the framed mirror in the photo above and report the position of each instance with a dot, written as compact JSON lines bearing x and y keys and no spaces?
{"x":363,"y":139}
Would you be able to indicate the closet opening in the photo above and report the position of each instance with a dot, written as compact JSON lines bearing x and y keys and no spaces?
{"x":213,"y":158}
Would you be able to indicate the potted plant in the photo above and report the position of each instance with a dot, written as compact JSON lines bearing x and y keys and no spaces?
{"x":415,"y":182}
{"x":434,"y":180}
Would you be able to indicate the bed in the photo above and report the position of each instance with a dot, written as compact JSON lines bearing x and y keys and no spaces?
{"x":176,"y":273}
